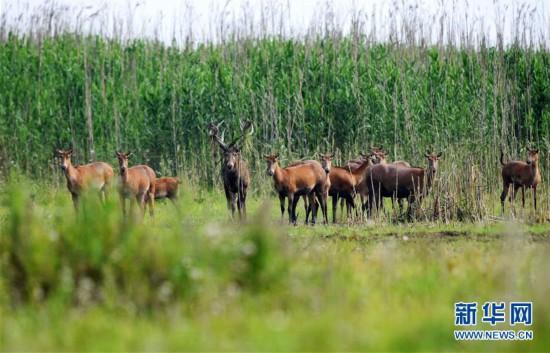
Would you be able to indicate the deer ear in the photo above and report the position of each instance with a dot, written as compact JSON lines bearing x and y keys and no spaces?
{"x":70,"y":151}
{"x":128,"y":154}
{"x":439,"y":154}
{"x":276,"y":156}
{"x":427,"y":155}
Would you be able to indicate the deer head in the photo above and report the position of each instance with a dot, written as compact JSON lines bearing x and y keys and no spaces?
{"x":433,"y":160}
{"x":326,"y":161}
{"x":123,"y":160}
{"x":64,"y":158}
{"x":532,"y":155}
{"x":272,"y":162}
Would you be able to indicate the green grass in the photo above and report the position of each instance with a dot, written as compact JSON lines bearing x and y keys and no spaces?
{"x":198,"y":281}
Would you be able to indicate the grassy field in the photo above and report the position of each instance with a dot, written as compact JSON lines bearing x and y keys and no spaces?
{"x":195,"y":280}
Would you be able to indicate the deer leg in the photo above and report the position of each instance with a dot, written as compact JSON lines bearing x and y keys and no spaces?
{"x":307,"y":208}
{"x":123,"y":204}
{"x":74,"y":196}
{"x":412,"y":206}
{"x":312,"y":206}
{"x":282,"y":202}
{"x":323,"y":198}
{"x":523,"y":196}
{"x":233,"y":204}
{"x":350,"y":204}
{"x":334,"y":207}
{"x":513,"y":193}
{"x":140,"y":199}
{"x":370,"y":203}
{"x":228,"y":197}
{"x":290,"y":210}
{"x":535,"y":197}
{"x":151,"y":203}
{"x":243,"y":202}
{"x":504,"y":193}
{"x":295,"y":200}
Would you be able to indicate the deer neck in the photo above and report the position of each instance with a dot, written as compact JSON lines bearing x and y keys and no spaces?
{"x":430,"y":176}
{"x":534,"y":168}
{"x":124,"y":176}
{"x":71,"y":173}
{"x":279,"y":174}
{"x":358,"y":173}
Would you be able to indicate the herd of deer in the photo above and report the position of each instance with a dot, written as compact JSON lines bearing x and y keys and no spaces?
{"x":370,"y":176}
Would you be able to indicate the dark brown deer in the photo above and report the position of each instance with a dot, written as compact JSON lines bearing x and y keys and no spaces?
{"x":302,"y":179}
{"x":386,"y":180}
{"x":381,"y":158}
{"x":97,"y":176}
{"x":167,"y":187}
{"x":137,"y":182}
{"x":234,"y":171}
{"x":520,"y":175}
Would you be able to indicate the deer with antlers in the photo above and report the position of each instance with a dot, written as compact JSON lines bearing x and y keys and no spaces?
{"x":520,"y":174}
{"x":137,"y":182}
{"x":96,"y":176}
{"x":234,"y":170}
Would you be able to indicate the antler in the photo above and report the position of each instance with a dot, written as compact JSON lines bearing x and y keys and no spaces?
{"x":246,"y":125}
{"x":213,"y":131}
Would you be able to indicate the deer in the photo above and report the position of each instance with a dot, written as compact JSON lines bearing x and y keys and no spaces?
{"x":97,"y":175}
{"x":387,"y":180}
{"x":381,"y":158}
{"x":234,"y":170}
{"x":345,"y":182}
{"x":326,"y":163}
{"x":167,"y":187}
{"x":137,"y":182}
{"x":307,"y":178}
{"x":520,"y":174}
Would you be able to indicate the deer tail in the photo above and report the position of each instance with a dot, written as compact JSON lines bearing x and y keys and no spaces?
{"x":501,"y":157}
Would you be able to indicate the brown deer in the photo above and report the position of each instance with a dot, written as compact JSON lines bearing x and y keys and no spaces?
{"x":326,"y":163}
{"x":344,"y":184}
{"x":96,"y":176}
{"x":137,"y":182}
{"x":167,"y":187}
{"x":234,"y":170}
{"x":521,"y":175}
{"x":300,"y":179}
{"x":387,"y":180}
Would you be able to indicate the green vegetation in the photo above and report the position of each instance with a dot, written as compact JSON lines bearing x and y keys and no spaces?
{"x":338,"y":94}
{"x":197,"y":281}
